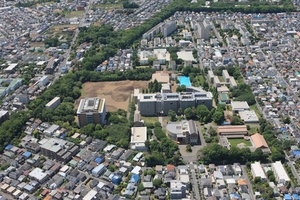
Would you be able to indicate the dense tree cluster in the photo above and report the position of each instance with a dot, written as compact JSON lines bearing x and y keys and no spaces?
{"x":243,"y":92}
{"x":127,"y":4}
{"x":52,"y":42}
{"x":118,"y":134}
{"x":163,"y":150}
{"x":35,"y":2}
{"x":215,"y":153}
{"x":154,"y":86}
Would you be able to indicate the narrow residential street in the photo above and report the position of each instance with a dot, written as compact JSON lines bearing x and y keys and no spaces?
{"x":245,"y":174}
{"x":195,"y":182}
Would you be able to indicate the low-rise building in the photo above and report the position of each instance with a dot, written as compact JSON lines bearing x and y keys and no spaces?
{"x":239,"y":106}
{"x":257,"y":171}
{"x":138,"y":138}
{"x":177,"y":189}
{"x":38,"y":175}
{"x":184,"y":132}
{"x":280,"y":173}
{"x":233,"y":131}
{"x":54,"y":103}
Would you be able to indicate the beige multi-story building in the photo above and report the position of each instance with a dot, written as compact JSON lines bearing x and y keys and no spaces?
{"x":91,"y":111}
{"x":184,"y":132}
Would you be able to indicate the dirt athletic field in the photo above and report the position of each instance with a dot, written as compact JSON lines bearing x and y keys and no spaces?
{"x":116,"y":93}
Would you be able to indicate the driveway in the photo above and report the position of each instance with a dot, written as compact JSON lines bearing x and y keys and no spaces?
{"x":189,"y":156}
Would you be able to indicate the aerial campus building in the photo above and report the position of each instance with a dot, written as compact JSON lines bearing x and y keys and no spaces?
{"x":91,"y":111}
{"x":161,"y":103}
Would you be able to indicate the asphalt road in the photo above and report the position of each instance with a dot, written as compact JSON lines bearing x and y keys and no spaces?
{"x":195,"y":183}
{"x":245,"y":175}
{"x":295,"y":173}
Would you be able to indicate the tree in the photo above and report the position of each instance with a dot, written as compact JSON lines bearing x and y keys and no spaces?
{"x":147,"y":144}
{"x":141,"y":187}
{"x":189,"y":113}
{"x":212,"y":132}
{"x":287,"y":144}
{"x":188,"y":148}
{"x":257,"y":179}
{"x":218,"y":117}
{"x":236,"y":120}
{"x":179,"y":111}
{"x":172,"y":115}
{"x":202,"y":111}
{"x":157,"y":182}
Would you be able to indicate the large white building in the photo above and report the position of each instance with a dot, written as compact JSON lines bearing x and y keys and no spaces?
{"x":44,"y":81}
{"x":38,"y":175}
{"x":280,"y":173}
{"x":91,"y":111}
{"x":161,"y":103}
{"x":138,"y":138}
{"x":257,"y":171}
{"x":169,"y":28}
{"x":203,"y":31}
{"x":54,"y":103}
{"x":177,"y":189}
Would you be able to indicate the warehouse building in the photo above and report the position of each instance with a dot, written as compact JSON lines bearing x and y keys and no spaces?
{"x":54,"y":103}
{"x":238,"y":131}
{"x":280,"y":173}
{"x":91,"y":111}
{"x":257,"y":171}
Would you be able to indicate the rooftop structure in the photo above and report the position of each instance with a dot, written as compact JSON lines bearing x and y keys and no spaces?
{"x":259,"y":141}
{"x":257,"y":171}
{"x":138,"y":138}
{"x":58,"y":149}
{"x":161,"y":103}
{"x":239,"y":106}
{"x":280,"y":173}
{"x":183,"y":132}
{"x":233,"y":131}
{"x":248,"y":116}
{"x":91,"y":111}
{"x":54,"y":103}
{"x":38,"y":174}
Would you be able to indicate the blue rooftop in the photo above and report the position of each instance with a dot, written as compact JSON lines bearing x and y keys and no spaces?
{"x":134,"y":178}
{"x":296,"y":152}
{"x":296,"y":197}
{"x":27,"y":154}
{"x":98,"y":160}
{"x":8,"y":147}
{"x":287,"y":197}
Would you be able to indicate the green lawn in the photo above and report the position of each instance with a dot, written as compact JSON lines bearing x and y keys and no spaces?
{"x":72,"y":14}
{"x":236,"y":141}
{"x":109,"y":6}
{"x":150,"y":119}
{"x":221,"y":78}
{"x":254,"y":107}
